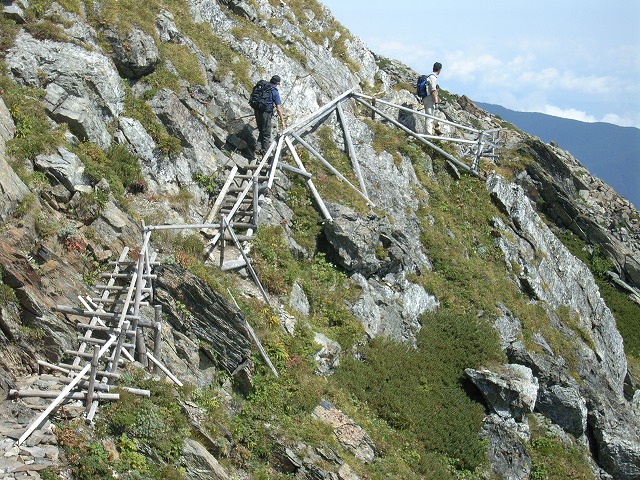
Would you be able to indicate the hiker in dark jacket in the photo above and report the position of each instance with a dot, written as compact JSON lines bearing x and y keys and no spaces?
{"x":264,"y":116}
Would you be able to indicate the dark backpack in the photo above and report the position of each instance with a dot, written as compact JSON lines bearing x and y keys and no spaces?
{"x":260,"y":99}
{"x":421,"y":86}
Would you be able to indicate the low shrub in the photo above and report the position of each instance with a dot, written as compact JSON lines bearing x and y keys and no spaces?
{"x":422,"y":390}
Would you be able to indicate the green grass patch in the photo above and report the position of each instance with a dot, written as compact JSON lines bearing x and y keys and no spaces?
{"x":117,"y":165}
{"x":429,"y":402}
{"x":139,"y":429}
{"x":140,"y":110}
{"x":554,"y":459}
{"x":34,"y":134}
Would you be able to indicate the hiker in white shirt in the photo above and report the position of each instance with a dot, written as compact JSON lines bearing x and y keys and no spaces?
{"x":431,"y":100}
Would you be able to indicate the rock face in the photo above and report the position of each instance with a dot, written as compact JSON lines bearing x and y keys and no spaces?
{"x":585,"y":205}
{"x":12,"y":189}
{"x":82,"y":88}
{"x":511,"y":393}
{"x":208,"y":329}
{"x":349,"y":434}
{"x":549,"y":273}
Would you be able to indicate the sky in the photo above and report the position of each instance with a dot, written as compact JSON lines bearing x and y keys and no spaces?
{"x":577,"y":59}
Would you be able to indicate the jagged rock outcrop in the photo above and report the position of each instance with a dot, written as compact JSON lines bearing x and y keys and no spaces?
{"x":549,"y":273}
{"x":510,"y":393}
{"x":211,"y":333}
{"x":585,"y":205}
{"x":82,"y":88}
{"x":12,"y":189}
{"x":507,"y":451}
{"x":134,"y":53}
{"x":350,"y":435}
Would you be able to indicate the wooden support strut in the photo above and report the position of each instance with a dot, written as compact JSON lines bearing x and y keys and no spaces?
{"x":312,"y":188}
{"x":351,"y":149}
{"x":317,"y":154}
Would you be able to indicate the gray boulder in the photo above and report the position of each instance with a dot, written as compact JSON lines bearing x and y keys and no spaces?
{"x":12,"y":189}
{"x":83,"y":88}
{"x":65,"y":167}
{"x":200,"y":152}
{"x":507,"y":452}
{"x":350,"y":435}
{"x":369,"y":245}
{"x":574,"y":199}
{"x":298,"y":300}
{"x":617,"y":439}
{"x":14,"y":10}
{"x":7,"y":127}
{"x":511,"y":393}
{"x":200,"y":464}
{"x":135,"y":53}
{"x":328,"y":357}
{"x":206,"y":317}
{"x":565,"y":406}
{"x":547,"y":271}
{"x":159,"y":171}
{"x":391,"y":307}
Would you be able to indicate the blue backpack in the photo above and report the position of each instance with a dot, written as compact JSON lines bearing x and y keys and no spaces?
{"x":421,"y":86}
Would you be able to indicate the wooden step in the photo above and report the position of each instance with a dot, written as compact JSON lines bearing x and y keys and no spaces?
{"x":111,"y":301}
{"x":88,"y":356}
{"x":261,"y":178}
{"x":99,"y":373}
{"x":102,"y":329}
{"x":99,"y":341}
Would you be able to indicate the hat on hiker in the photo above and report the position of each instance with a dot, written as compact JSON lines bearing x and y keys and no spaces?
{"x":275,"y":79}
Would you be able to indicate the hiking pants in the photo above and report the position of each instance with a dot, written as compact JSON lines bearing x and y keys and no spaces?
{"x":429,"y":109}
{"x":263,"y":120}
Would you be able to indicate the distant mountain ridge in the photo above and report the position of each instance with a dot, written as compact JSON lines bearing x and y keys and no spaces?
{"x":609,"y":152}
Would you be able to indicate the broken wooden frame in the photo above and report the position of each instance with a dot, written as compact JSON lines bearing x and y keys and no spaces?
{"x":118,"y":319}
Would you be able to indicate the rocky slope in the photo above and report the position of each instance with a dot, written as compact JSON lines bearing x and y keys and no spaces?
{"x":173,"y":90}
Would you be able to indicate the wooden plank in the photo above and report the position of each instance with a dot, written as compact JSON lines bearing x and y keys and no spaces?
{"x":164,"y":369}
{"x":312,"y":188}
{"x":351,"y":149}
{"x":415,"y":135}
{"x":317,"y":154}
{"x":221,"y":196}
{"x":62,"y":394}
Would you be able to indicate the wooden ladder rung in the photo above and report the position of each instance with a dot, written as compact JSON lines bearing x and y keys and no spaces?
{"x":241,"y":238}
{"x":130,"y":263}
{"x":99,"y":373}
{"x":99,"y":341}
{"x":102,"y":328}
{"x":250,"y":177}
{"x":115,"y":301}
{"x":141,"y":322}
{"x":239,"y":213}
{"x":126,"y":275}
{"x":88,"y":355}
{"x":116,"y":288}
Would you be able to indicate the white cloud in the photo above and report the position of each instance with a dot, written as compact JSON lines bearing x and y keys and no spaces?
{"x":410,"y":54}
{"x":626,"y":121}
{"x":570,"y":113}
